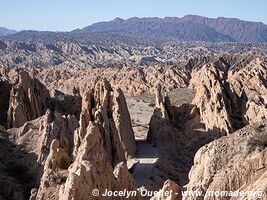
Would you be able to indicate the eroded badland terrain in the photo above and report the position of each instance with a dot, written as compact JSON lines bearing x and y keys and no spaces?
{"x":97,"y":109}
{"x":197,"y":126}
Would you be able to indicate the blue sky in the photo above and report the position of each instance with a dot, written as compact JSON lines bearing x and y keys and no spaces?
{"x":64,"y":15}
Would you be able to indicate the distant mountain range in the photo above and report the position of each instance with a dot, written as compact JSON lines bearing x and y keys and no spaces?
{"x":5,"y":31}
{"x":188,"y":28}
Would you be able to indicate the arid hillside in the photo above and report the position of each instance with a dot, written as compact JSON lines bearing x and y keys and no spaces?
{"x":195,"y":126}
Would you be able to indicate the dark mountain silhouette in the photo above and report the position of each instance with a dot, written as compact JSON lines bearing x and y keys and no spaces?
{"x":239,"y":30}
{"x":187,"y":28}
{"x":171,"y":28}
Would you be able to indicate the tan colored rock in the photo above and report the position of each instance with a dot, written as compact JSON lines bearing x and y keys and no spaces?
{"x":218,"y":104}
{"x":221,"y":107}
{"x":227,"y":98}
{"x":54,"y":172}
{"x":36,"y":137}
{"x":107,"y":108}
{"x":123,"y":122}
{"x":251,"y":79}
{"x":231,"y":163}
{"x":27,"y":100}
{"x":91,"y":170}
{"x":131,"y":80}
{"x":169,"y":191}
{"x":102,"y":141}
{"x":123,"y":178}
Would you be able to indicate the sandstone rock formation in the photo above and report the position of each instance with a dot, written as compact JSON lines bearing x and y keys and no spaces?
{"x":169,"y":191}
{"x":230,"y":98}
{"x":92,"y":156}
{"x":25,"y":108}
{"x":231,"y":163}
{"x":223,"y":104}
{"x":85,"y":138}
{"x":28,"y":99}
{"x":37,"y":135}
{"x":108,"y":109}
{"x":62,"y":153}
{"x":252,"y":78}
{"x":92,"y":167}
{"x":131,"y":80}
{"x":54,"y":172}
{"x":177,"y":133}
{"x":220,"y":107}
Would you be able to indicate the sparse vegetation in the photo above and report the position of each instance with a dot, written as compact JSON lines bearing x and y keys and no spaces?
{"x":151,"y":105}
{"x":258,"y":127}
{"x":59,"y":177}
{"x":257,"y":140}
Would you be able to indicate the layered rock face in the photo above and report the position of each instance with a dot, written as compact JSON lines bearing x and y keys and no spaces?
{"x":107,"y":108}
{"x":102,"y":145}
{"x":252,"y":78}
{"x":60,"y":153}
{"x":220,"y":107}
{"x":28,"y":99}
{"x":92,"y":166}
{"x":131,"y":80}
{"x":36,"y":136}
{"x":231,"y":163}
{"x":227,"y":99}
{"x":85,"y":138}
{"x":177,"y":133}
{"x":33,"y":127}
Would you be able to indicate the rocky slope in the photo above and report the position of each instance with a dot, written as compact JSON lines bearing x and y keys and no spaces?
{"x":224,"y":103}
{"x":112,"y":54}
{"x":234,"y":166}
{"x":102,"y":144}
{"x":52,"y":151}
{"x":134,"y":81}
{"x":27,"y":101}
{"x":75,"y":132}
{"x":231,"y":163}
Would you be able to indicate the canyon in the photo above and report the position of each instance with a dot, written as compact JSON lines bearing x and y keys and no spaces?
{"x":197,"y":125}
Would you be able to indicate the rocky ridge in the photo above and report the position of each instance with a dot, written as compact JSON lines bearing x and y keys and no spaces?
{"x":187,"y":28}
{"x":227,"y":100}
{"x":112,"y":54}
{"x":60,"y":151}
{"x":83,"y":139}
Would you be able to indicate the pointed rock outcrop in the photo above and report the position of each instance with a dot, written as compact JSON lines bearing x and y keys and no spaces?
{"x":221,"y":109}
{"x":90,"y":169}
{"x":28,"y":99}
{"x":102,"y":144}
{"x":108,"y":109}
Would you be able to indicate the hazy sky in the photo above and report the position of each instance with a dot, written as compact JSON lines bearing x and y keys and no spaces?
{"x":64,"y":15}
